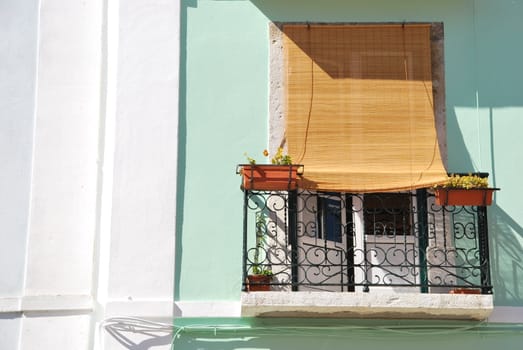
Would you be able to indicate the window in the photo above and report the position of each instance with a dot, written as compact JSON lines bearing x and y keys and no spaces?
{"x":361,"y":105}
{"x":387,"y":214}
{"x":329,"y":221}
{"x":349,"y":241}
{"x":355,"y":224}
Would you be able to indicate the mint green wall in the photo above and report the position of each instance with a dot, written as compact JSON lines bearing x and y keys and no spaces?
{"x":345,"y":334}
{"x":224,"y":109}
{"x":223,"y":114}
{"x":499,"y":29}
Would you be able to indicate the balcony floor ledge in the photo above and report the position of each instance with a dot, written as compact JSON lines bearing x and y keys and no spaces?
{"x":382,"y":305}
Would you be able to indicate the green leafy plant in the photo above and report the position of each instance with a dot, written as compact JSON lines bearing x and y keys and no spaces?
{"x":278,"y":159}
{"x":261,"y":227}
{"x":465,"y":182}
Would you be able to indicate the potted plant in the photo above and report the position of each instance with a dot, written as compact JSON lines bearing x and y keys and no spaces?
{"x":465,"y":291}
{"x":260,"y":278}
{"x":280,"y":175}
{"x":463,"y":189}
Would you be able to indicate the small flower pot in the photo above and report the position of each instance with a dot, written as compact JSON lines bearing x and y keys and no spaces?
{"x":258,"y":283}
{"x":465,"y":291}
{"x":460,"y":196}
{"x":269,"y":177}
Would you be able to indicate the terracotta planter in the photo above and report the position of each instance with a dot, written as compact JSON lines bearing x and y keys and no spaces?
{"x":460,"y":196}
{"x":269,"y":177}
{"x":258,"y":283}
{"x":465,"y":291}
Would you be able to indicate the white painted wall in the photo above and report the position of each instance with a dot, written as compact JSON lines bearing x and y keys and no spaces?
{"x":64,"y":182}
{"x":139,"y":193}
{"x":145,"y":148}
{"x":62,"y":223}
{"x":18,"y":43}
{"x":88,"y":126}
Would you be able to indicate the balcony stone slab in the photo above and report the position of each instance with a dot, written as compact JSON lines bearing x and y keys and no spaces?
{"x":367,"y":305}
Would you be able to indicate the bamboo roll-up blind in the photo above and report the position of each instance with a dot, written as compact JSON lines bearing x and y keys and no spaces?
{"x":359,"y":107}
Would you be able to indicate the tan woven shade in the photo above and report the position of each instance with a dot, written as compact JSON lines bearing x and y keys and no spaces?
{"x":359,"y":111}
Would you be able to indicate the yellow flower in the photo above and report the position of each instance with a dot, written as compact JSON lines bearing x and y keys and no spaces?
{"x":279,"y":158}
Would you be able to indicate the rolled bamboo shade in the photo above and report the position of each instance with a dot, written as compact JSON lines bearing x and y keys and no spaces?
{"x":359,"y":111}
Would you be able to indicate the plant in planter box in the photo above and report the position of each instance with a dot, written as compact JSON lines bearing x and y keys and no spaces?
{"x":280,"y":175}
{"x":261,"y":276}
{"x":464,"y":190}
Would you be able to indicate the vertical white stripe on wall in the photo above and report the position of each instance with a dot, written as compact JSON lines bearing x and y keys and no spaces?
{"x":62,"y":223}
{"x":135,"y":272}
{"x":107,"y":145}
{"x":18,"y":51}
{"x":145,"y":121}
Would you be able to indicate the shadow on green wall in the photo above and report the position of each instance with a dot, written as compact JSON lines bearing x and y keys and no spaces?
{"x":507,"y":257}
{"x":182,"y":144}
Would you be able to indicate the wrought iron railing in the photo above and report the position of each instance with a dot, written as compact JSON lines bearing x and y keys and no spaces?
{"x":353,"y":242}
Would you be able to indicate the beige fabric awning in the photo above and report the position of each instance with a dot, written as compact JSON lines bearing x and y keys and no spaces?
{"x":359,"y":107}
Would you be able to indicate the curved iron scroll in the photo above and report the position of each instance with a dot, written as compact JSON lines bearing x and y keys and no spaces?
{"x":350,"y":242}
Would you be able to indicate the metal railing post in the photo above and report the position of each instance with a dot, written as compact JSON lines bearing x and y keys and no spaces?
{"x":486,"y":287}
{"x":423,"y":232}
{"x":293,"y":237}
{"x":244,"y":254}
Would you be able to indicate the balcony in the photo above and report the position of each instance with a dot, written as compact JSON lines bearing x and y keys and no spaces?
{"x":372,"y":255}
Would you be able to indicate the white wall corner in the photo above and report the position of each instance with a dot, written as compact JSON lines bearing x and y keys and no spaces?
{"x":207,"y":309}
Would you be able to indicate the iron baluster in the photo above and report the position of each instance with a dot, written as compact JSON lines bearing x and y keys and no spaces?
{"x":423,"y":233}
{"x":293,"y":239}
{"x":486,"y":287}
